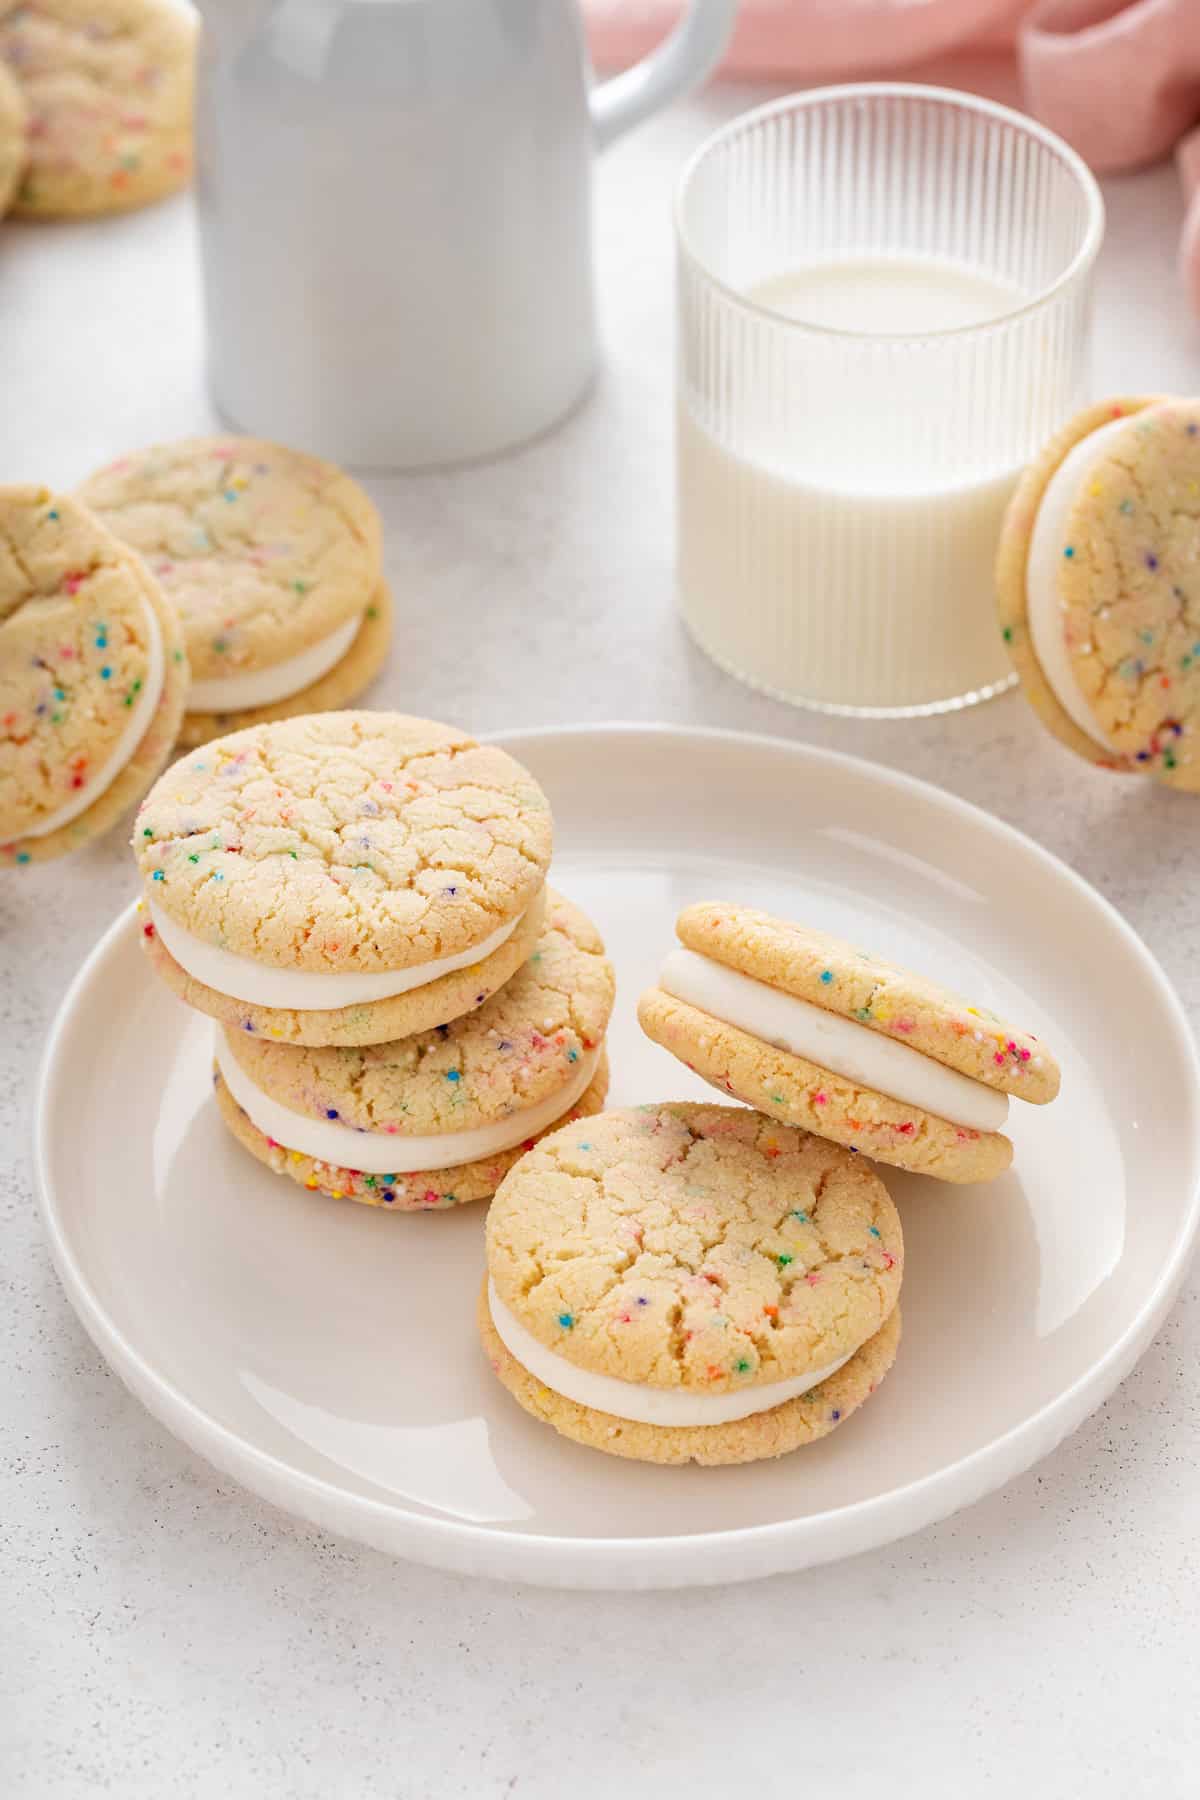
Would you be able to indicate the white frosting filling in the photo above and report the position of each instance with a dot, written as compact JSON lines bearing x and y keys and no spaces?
{"x":262,"y":687}
{"x":632,"y":1399}
{"x":140,"y":715}
{"x":841,"y":1045}
{"x":1046,"y":546}
{"x":300,"y":989}
{"x":382,"y":1153}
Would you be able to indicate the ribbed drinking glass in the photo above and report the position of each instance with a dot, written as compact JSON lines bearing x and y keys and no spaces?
{"x":884,"y":312}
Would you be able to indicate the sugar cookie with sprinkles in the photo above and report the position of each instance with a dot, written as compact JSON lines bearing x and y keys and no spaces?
{"x":272,"y":559}
{"x":819,"y":1034}
{"x":14,"y":146}
{"x":684,"y":1283}
{"x":317,"y":871}
{"x":92,"y":677}
{"x":108,"y":85}
{"x":1098,"y":585}
{"x":437,"y":1119}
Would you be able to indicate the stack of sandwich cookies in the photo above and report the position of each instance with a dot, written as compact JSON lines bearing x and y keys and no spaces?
{"x":92,"y":676}
{"x":273,"y":561}
{"x":437,"y":1119}
{"x":816,"y":1033}
{"x":1098,"y":584}
{"x":690,"y":1283}
{"x":347,"y":878}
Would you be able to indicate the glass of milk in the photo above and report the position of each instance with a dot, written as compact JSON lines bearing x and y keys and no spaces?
{"x":884,"y":309}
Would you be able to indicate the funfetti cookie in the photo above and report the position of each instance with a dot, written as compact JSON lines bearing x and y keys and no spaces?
{"x":92,"y":677}
{"x":272,"y":559}
{"x":437,"y":1119}
{"x":14,"y":144}
{"x":819,"y":1034}
{"x":108,"y":84}
{"x":1098,"y":584}
{"x":332,"y":875}
{"x":691,"y":1284}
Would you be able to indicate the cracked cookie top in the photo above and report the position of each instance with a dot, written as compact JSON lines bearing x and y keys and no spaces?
{"x":353,"y":841}
{"x":851,"y":982}
{"x":521,"y":1046}
{"x":693,"y":1246}
{"x":263,"y":551}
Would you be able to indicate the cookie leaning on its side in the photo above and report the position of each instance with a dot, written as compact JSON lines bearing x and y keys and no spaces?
{"x":92,"y":676}
{"x":818,"y":1034}
{"x":691,"y":1284}
{"x":1098,"y":586}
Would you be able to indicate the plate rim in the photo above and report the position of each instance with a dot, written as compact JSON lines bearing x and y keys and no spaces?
{"x":739,"y":1552}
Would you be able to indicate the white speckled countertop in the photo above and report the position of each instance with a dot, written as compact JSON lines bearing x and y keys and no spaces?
{"x":164,"y":1634}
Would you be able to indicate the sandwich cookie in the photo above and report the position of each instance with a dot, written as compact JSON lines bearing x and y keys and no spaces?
{"x":436,"y":1119}
{"x":319,"y":871}
{"x":691,"y":1284}
{"x":108,"y":84}
{"x":814,"y":1032}
{"x":92,"y":677}
{"x":14,"y":146}
{"x":272,"y":559}
{"x":1098,"y":585}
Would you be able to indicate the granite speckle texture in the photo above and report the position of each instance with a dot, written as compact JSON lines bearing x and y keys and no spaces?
{"x":164,"y":1633}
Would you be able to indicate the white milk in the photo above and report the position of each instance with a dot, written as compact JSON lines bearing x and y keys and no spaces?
{"x":886,"y":294}
{"x":842,"y":552}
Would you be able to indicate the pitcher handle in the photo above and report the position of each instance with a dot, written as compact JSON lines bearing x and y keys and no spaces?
{"x":689,"y":55}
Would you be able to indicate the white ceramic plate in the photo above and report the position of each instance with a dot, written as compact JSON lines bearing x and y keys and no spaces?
{"x":324,"y":1354}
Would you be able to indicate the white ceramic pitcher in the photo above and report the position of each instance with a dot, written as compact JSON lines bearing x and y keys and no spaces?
{"x":395,"y":208}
